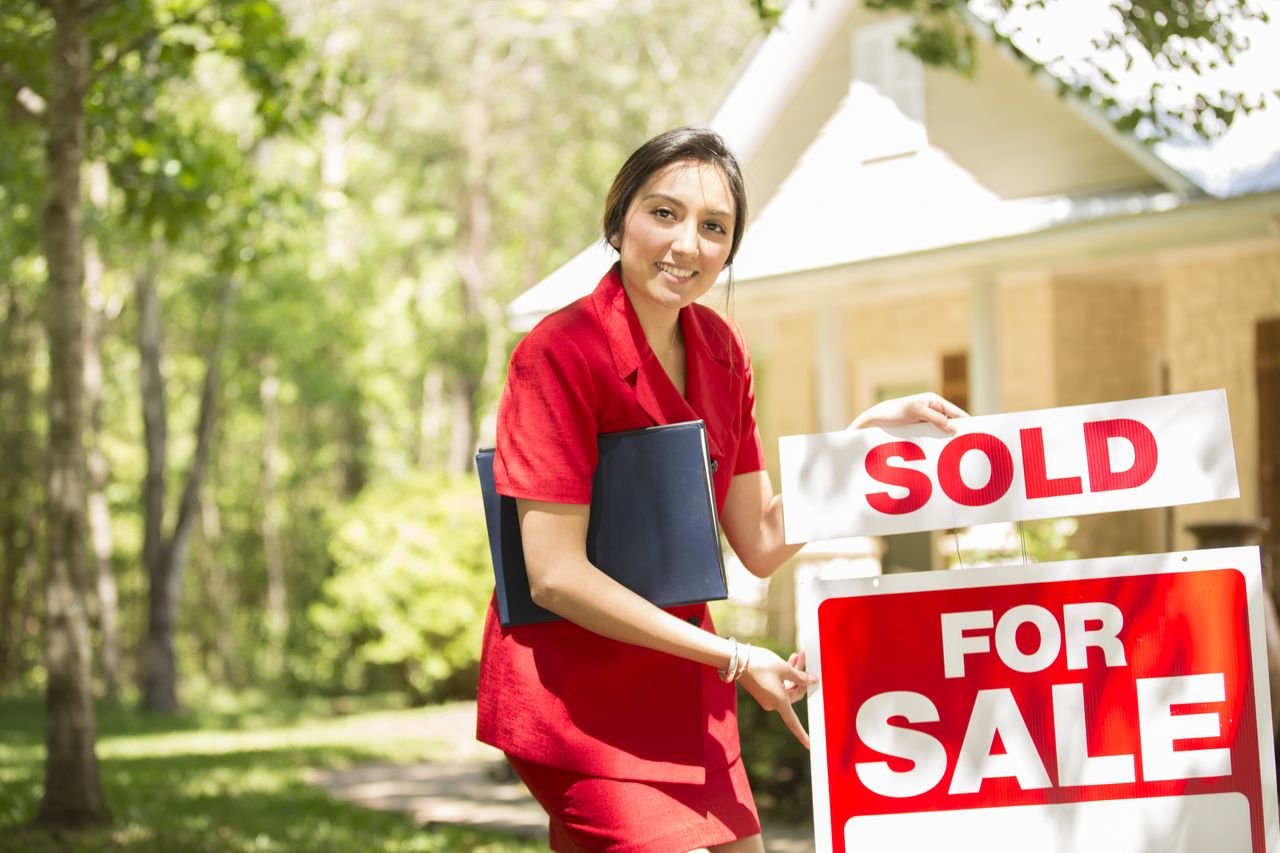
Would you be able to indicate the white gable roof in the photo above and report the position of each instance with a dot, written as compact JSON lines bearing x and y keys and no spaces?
{"x":833,"y":209}
{"x":803,"y":35}
{"x":574,"y":279}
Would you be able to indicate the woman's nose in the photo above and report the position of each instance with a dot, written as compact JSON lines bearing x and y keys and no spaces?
{"x":685,"y":241}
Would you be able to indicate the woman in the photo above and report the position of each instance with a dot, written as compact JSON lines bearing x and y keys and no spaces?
{"x":621,"y":719}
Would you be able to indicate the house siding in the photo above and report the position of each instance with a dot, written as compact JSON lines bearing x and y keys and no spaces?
{"x":1027,"y":366}
{"x":1215,"y":300}
{"x":1018,"y":139}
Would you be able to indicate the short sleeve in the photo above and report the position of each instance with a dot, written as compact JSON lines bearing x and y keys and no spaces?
{"x":547,"y":423}
{"x":750,"y":445}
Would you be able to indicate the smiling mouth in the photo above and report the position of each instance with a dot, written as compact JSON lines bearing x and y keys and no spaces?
{"x":677,"y":272}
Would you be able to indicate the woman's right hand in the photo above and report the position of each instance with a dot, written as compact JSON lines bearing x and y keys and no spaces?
{"x":777,"y":684}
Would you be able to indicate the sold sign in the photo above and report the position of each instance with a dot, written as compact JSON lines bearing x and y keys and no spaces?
{"x":1075,"y":460}
{"x":1114,"y":705}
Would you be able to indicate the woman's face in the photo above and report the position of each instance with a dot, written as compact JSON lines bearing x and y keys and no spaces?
{"x":676,"y":236}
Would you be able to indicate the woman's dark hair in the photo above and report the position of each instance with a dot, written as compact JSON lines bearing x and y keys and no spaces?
{"x":696,"y":144}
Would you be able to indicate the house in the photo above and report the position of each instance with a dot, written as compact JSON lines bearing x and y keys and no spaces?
{"x":916,"y":229}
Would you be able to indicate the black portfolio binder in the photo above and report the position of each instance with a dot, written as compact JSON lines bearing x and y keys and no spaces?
{"x":653,"y":524}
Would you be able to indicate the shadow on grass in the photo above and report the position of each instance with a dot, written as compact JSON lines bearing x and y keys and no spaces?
{"x":184,"y":783}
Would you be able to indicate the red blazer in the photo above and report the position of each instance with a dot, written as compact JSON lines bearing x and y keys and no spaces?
{"x":557,"y":694}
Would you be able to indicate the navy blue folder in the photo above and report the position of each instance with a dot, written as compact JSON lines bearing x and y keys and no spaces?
{"x":653,"y":524}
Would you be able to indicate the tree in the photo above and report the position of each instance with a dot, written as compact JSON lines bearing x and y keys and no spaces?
{"x":21,"y":390}
{"x":1171,"y":37}
{"x":86,"y":47}
{"x":174,"y":167}
{"x":73,"y":792}
{"x":165,"y":554}
{"x":102,"y":312}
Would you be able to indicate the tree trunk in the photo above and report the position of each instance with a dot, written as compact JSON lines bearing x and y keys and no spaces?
{"x":431,"y":426}
{"x":72,"y":790}
{"x":103,"y":548}
{"x":29,"y":613}
{"x":273,"y":552}
{"x":462,"y":433}
{"x":96,"y":321}
{"x":159,"y":664}
{"x":218,"y":589}
{"x":157,"y":670}
{"x":477,"y":225}
{"x":206,"y":428}
{"x":339,"y":249}
{"x":353,"y":432}
{"x":11,"y":552}
{"x":17,"y":361}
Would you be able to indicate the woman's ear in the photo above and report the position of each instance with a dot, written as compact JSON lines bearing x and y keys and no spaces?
{"x":615,"y":242}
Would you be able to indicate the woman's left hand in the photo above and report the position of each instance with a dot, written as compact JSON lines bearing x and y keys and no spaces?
{"x":918,"y":408}
{"x":777,"y":685}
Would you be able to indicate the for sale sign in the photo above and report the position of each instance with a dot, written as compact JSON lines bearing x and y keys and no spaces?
{"x":1101,"y":706}
{"x":1074,"y":460}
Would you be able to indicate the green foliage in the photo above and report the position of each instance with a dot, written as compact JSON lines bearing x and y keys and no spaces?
{"x":480,"y":140}
{"x":1171,"y":35}
{"x":768,"y":11}
{"x":317,"y":153}
{"x":411,"y":584}
{"x":179,"y":109}
{"x":1049,"y":539}
{"x":941,"y":34}
{"x":231,"y":778}
{"x":1040,"y":541}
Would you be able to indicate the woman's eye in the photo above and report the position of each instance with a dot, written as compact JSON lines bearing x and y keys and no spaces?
{"x":663,"y":213}
{"x":717,"y":227}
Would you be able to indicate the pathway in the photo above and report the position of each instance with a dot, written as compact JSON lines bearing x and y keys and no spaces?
{"x":471,"y":787}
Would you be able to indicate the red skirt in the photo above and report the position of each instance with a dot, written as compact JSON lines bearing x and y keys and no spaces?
{"x":589,"y":813}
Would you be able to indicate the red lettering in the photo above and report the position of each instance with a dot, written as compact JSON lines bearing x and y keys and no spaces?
{"x":915,"y":482}
{"x":1037,"y":482}
{"x":1101,"y":476}
{"x":1001,"y":469}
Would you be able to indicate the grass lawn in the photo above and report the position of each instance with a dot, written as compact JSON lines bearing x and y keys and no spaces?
{"x":231,"y":777}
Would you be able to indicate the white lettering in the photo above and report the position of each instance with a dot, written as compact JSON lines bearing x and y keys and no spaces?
{"x":1047,"y":647}
{"x":1071,"y":740}
{"x":955,"y":645}
{"x":1160,"y":727}
{"x":927,"y":754}
{"x":1106,"y":637}
{"x":996,"y":712}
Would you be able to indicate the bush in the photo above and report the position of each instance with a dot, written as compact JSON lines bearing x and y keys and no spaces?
{"x":409,"y":594}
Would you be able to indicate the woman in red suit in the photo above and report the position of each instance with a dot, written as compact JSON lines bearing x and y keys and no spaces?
{"x":622,"y":719}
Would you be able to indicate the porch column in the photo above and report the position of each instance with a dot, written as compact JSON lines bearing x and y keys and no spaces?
{"x":829,"y":362}
{"x":984,"y":346}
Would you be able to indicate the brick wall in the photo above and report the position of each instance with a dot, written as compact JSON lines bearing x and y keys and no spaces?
{"x":1213,"y":304}
{"x":1027,"y":367}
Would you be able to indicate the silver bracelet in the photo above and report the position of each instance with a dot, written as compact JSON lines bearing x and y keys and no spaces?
{"x":744,"y":659}
{"x":728,"y":673}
